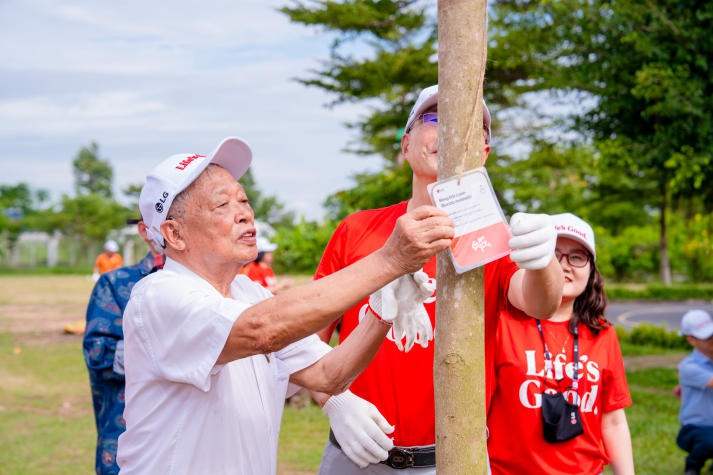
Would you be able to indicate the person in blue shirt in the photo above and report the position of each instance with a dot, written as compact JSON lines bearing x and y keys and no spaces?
{"x":695,"y":374}
{"x":103,"y":345}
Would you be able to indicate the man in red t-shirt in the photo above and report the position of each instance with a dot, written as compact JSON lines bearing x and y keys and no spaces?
{"x":397,"y":386}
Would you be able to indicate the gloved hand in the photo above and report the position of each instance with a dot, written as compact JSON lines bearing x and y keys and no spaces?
{"x":533,"y":240}
{"x":401,"y":302}
{"x":413,"y":321}
{"x":95,"y":276}
{"x":359,"y":428}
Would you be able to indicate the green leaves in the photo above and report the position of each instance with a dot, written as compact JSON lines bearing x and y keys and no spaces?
{"x":92,"y":175}
{"x":384,"y":52}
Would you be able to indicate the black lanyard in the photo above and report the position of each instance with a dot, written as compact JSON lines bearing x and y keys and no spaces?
{"x":548,"y":355}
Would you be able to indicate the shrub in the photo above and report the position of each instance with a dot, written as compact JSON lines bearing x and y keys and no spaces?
{"x":647,"y":334}
{"x":660,"y":292}
{"x":301,"y":247}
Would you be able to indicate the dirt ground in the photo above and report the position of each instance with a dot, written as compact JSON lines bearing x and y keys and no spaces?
{"x":36,"y":309}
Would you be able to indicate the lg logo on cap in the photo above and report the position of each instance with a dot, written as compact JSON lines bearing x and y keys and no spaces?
{"x":159,"y":204}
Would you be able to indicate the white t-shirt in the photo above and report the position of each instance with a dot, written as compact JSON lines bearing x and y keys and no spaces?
{"x":184,"y":413}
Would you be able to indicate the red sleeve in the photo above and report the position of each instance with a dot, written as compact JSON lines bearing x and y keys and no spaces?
{"x":331,"y":260}
{"x":616,"y":390}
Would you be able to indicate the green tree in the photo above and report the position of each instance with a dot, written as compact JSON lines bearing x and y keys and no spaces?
{"x":645,"y":66}
{"x":552,"y":178}
{"x":396,"y":58}
{"x":373,"y":190}
{"x":93,"y":213}
{"x":301,"y":246}
{"x":133,"y":191}
{"x":634,"y":78}
{"x":692,"y":243}
{"x":17,"y":207}
{"x":87,"y":219}
{"x":92,"y":175}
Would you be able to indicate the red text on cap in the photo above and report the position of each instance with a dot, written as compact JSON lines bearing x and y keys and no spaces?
{"x":187,"y":161}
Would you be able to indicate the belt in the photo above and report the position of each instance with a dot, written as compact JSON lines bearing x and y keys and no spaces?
{"x":404,"y":457}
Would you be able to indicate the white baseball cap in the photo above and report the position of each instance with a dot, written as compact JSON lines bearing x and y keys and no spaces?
{"x":111,"y":245}
{"x":573,"y":227}
{"x":697,"y":323}
{"x":429,"y":98}
{"x":264,"y":245}
{"x":174,"y":174}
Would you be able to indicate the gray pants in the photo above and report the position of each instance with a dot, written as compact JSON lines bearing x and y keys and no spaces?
{"x":334,"y":462}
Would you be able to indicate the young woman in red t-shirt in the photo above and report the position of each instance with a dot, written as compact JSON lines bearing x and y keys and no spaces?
{"x":575,"y":353}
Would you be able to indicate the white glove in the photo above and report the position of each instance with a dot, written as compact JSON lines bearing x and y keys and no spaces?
{"x":95,"y":276}
{"x":359,"y":428}
{"x":413,"y":321}
{"x":118,"y":365}
{"x":401,"y":302}
{"x":533,"y":240}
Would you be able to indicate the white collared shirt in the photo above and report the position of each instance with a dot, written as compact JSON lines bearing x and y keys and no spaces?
{"x":185,"y":414}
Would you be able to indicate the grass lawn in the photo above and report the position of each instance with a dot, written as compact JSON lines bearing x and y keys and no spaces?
{"x":653,"y":421}
{"x":46,"y":419}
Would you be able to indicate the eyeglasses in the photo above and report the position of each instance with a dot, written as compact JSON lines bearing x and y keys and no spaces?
{"x":430,"y":119}
{"x":574,"y":258}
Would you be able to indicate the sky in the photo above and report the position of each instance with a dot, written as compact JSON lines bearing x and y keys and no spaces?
{"x":146,"y":80}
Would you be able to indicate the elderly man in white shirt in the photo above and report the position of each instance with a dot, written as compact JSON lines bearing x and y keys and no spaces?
{"x":209,"y":354}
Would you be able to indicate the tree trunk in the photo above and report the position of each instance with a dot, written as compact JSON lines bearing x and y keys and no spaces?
{"x":459,"y":353}
{"x":663,"y":246}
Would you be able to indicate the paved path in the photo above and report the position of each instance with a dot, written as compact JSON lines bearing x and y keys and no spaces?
{"x":629,"y":314}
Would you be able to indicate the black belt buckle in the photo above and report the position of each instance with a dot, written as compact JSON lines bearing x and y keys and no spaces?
{"x":399,"y":458}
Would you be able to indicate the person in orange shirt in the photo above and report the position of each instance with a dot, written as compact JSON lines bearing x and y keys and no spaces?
{"x":108,"y":260}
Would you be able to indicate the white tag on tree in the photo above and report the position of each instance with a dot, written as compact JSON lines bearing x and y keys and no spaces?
{"x":481,"y":232}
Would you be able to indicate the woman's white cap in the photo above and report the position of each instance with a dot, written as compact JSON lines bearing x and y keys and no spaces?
{"x":574,"y":227}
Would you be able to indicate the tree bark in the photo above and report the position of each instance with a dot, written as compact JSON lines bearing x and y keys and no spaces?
{"x":663,"y":244}
{"x":459,"y":353}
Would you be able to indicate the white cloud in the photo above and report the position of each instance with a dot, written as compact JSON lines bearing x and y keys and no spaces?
{"x":146,"y":80}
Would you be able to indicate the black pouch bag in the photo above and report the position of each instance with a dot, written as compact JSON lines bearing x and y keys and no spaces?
{"x":560,"y":418}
